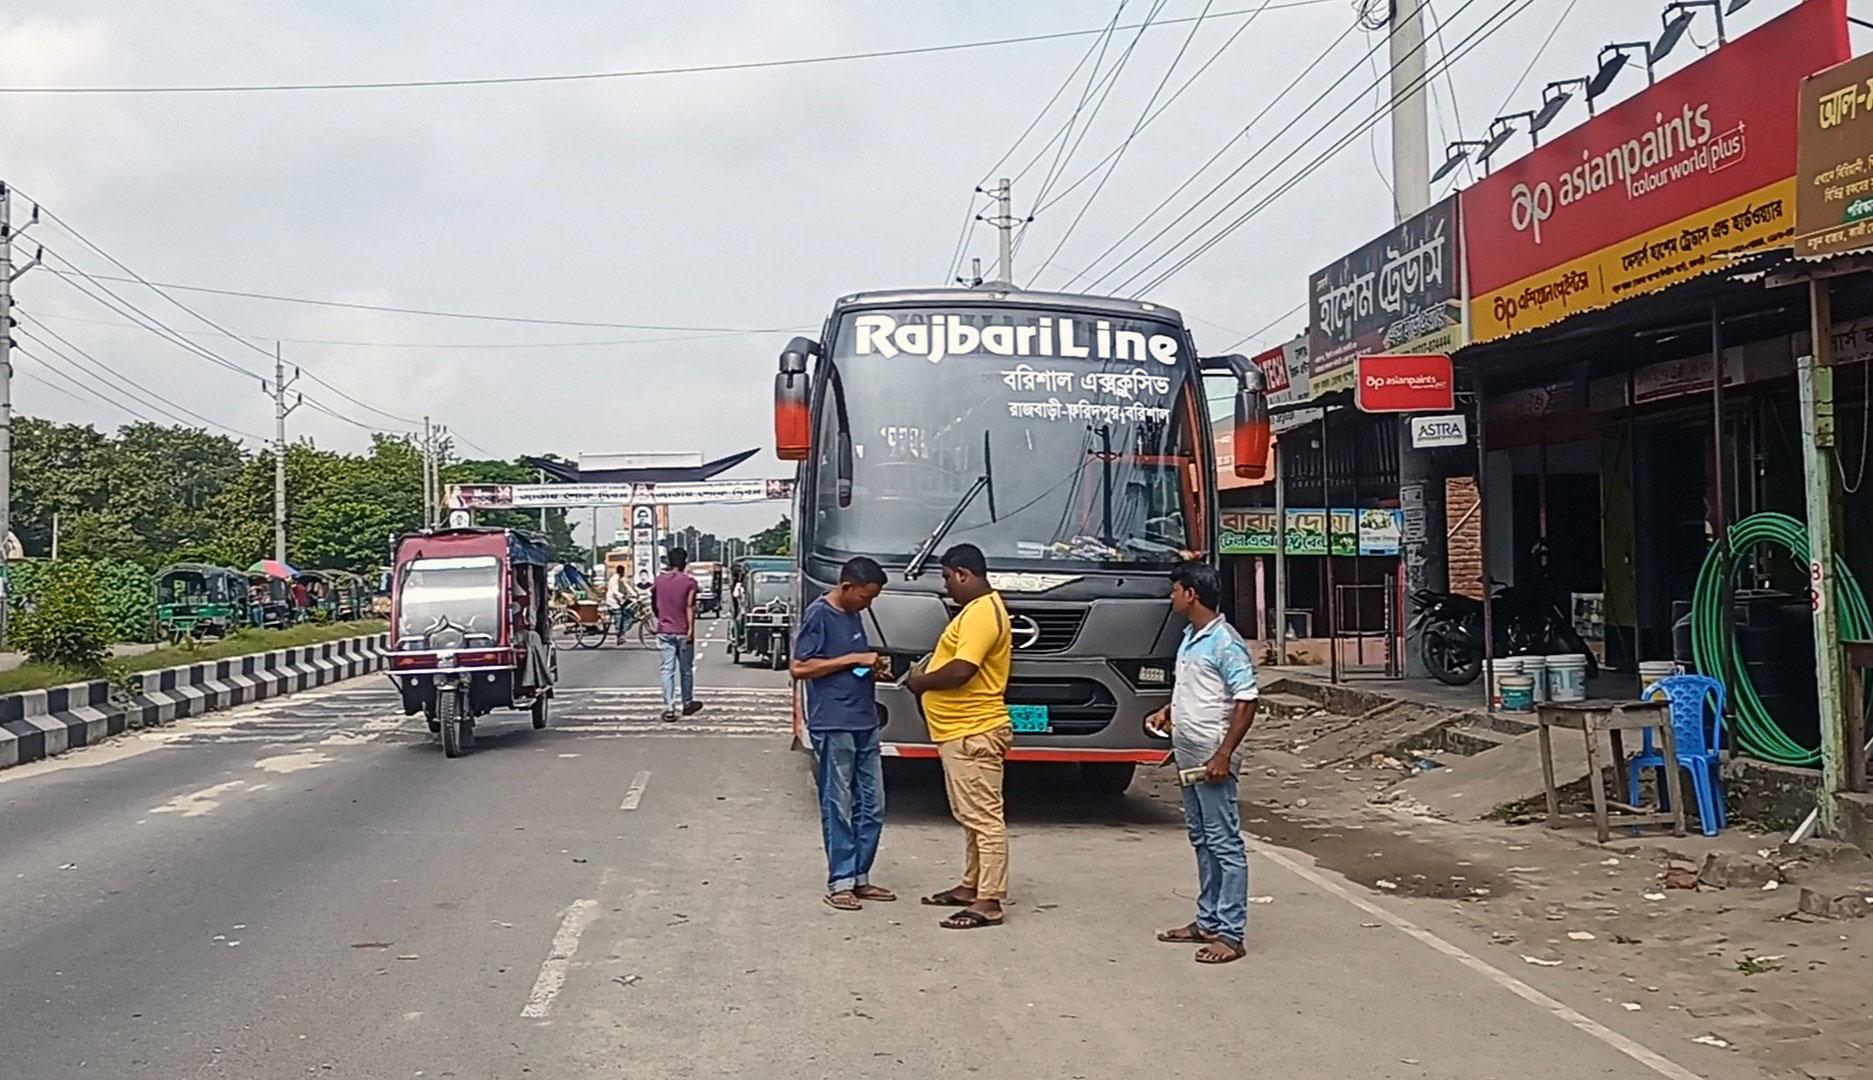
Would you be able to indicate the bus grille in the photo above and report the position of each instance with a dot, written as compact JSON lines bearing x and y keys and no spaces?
{"x":1042,"y":629}
{"x":1074,"y":706}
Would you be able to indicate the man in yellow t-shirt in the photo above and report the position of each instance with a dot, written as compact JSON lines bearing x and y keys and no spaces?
{"x":962,"y":692}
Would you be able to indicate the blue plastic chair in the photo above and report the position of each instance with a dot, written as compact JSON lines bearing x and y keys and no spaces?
{"x":1698,"y":742}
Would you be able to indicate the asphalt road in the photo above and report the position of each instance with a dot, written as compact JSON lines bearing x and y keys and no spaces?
{"x":308,"y":888}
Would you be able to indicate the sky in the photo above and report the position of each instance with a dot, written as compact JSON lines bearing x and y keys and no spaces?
{"x":733,"y":201}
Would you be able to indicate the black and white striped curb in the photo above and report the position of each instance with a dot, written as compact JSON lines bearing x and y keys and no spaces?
{"x":37,"y":724}
{"x":161,"y":697}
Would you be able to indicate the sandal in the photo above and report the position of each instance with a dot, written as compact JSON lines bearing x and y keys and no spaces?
{"x":875,"y":893}
{"x":1219,"y":951}
{"x":1191,"y":934}
{"x":947,"y":898}
{"x":844,"y":900}
{"x":969,"y":919}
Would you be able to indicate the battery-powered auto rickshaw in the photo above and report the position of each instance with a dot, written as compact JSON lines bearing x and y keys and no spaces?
{"x":470,"y":622}
{"x":270,"y":601}
{"x":764,"y":627}
{"x":194,"y":600}
{"x":350,"y":600}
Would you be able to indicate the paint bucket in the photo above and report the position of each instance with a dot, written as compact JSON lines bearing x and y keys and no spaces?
{"x":1650,"y":671}
{"x":1518,"y":693}
{"x":1567,"y":677}
{"x":1536,"y":668}
{"x":1495,"y":671}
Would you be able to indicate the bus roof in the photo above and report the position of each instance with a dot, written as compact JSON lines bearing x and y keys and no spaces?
{"x":1001,"y":295}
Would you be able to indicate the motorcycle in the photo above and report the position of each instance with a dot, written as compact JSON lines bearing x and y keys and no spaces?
{"x":1527,"y":620}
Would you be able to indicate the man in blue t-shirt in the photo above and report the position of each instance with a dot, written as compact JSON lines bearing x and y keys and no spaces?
{"x":831,"y":656}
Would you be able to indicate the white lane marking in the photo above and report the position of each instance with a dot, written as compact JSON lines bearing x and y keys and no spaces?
{"x":198,"y":803}
{"x":1579,"y":1021}
{"x":558,"y":959}
{"x":636,"y":792}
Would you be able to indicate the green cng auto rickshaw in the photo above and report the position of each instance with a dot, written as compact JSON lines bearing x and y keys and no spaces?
{"x":764,"y":626}
{"x":195,"y":600}
{"x":350,"y":600}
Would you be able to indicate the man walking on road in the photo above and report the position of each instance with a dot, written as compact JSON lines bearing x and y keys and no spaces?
{"x":1212,"y":706}
{"x":961,"y":690}
{"x":831,"y":656}
{"x":673,"y":601}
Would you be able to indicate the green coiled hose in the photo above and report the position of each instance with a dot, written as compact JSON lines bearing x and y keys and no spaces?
{"x":1713,"y":640}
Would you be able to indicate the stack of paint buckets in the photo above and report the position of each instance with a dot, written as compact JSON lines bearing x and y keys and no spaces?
{"x":1518,"y":683}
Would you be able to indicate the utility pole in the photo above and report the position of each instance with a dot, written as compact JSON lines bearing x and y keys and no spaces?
{"x":1411,"y":127}
{"x":429,"y":479}
{"x":1425,"y":553}
{"x":281,"y":411}
{"x":1004,"y":222}
{"x":8,"y":272}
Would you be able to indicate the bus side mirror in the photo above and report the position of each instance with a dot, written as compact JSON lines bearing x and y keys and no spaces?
{"x":793,"y":426}
{"x":1250,"y":438}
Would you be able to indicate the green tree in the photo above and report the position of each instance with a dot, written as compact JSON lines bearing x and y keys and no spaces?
{"x":776,"y":539}
{"x":65,"y":624}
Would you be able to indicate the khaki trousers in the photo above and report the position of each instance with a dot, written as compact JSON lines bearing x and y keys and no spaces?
{"x":972,"y":773}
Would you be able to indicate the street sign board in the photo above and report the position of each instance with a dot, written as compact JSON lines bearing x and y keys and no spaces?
{"x":1405,"y":383}
{"x":1433,"y":431}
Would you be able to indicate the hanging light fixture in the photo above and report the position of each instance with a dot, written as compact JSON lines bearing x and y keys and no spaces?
{"x":1459,"y":152}
{"x":1613,"y":59}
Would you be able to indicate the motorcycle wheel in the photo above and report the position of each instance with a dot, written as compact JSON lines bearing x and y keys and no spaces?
{"x":776,"y":656}
{"x":1448,"y":658}
{"x":541,"y":706}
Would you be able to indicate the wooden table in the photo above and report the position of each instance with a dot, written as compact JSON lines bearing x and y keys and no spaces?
{"x":1612,"y":717}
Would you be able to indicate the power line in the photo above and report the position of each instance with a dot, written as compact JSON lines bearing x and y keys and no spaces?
{"x":59,"y":390}
{"x":113,"y":373}
{"x":1144,"y":116}
{"x":637,"y":73}
{"x":1536,"y":59}
{"x":440,"y":314}
{"x":467,"y":345}
{"x":1201,"y":169}
{"x":362,"y":405}
{"x":1313,"y":166}
{"x":1110,"y":77}
{"x":1266,"y":145}
{"x":50,"y":370}
{"x":1105,"y":95}
{"x":1272,"y":323}
{"x":1172,"y":100}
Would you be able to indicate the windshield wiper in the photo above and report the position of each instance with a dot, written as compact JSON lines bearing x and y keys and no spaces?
{"x":985,"y":482}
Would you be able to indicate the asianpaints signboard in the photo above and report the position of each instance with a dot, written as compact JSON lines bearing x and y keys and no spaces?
{"x":1398,"y":383}
{"x":1653,"y":191}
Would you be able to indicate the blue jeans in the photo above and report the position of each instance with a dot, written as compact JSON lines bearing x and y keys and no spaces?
{"x":1215,"y":821}
{"x":677,"y":661}
{"x":851,"y":803}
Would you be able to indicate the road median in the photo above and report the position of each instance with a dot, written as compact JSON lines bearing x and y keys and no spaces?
{"x":42,"y":723}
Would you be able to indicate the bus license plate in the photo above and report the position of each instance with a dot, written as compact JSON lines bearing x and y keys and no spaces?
{"x":1031,"y":719}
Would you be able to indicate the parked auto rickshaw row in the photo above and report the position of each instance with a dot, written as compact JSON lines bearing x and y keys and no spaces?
{"x":197,"y":600}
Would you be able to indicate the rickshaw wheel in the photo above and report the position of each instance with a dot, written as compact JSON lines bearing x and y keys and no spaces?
{"x":457,"y":737}
{"x":540,"y":711}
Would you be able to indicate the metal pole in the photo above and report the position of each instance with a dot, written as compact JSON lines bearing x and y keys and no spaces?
{"x":1326,"y":496}
{"x":429,"y":482}
{"x":1482,"y":525}
{"x":1816,"y":376}
{"x":1005,"y":228}
{"x":541,"y":473}
{"x":55,"y":536}
{"x":1719,"y":516}
{"x":1281,"y":556}
{"x":6,"y":395}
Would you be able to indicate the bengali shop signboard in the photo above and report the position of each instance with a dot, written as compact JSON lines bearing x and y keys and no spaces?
{"x":1834,"y":170}
{"x":1401,"y":293}
{"x":1652,"y":191}
{"x":1355,"y":532}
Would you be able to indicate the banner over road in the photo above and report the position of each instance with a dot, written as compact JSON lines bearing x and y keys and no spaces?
{"x":544,"y":496}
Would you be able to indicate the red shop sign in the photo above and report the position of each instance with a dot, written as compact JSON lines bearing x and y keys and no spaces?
{"x":1404,"y":383}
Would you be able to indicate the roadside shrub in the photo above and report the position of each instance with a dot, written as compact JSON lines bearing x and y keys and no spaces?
{"x":64,"y":623}
{"x":126,"y":592}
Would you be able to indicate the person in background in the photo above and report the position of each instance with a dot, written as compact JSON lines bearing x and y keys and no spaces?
{"x":831,"y":656}
{"x":1212,"y":706}
{"x":620,"y":599}
{"x":673,"y":601}
{"x":962,"y":691}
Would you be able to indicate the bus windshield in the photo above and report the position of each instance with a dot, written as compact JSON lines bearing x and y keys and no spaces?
{"x":1083,"y":425}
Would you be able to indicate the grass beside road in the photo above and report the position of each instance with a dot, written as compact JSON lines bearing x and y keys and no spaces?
{"x":36,"y":676}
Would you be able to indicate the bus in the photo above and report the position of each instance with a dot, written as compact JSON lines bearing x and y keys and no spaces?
{"x":1067,"y":437}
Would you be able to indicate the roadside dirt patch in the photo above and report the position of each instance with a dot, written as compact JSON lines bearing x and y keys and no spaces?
{"x":1378,"y":854}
